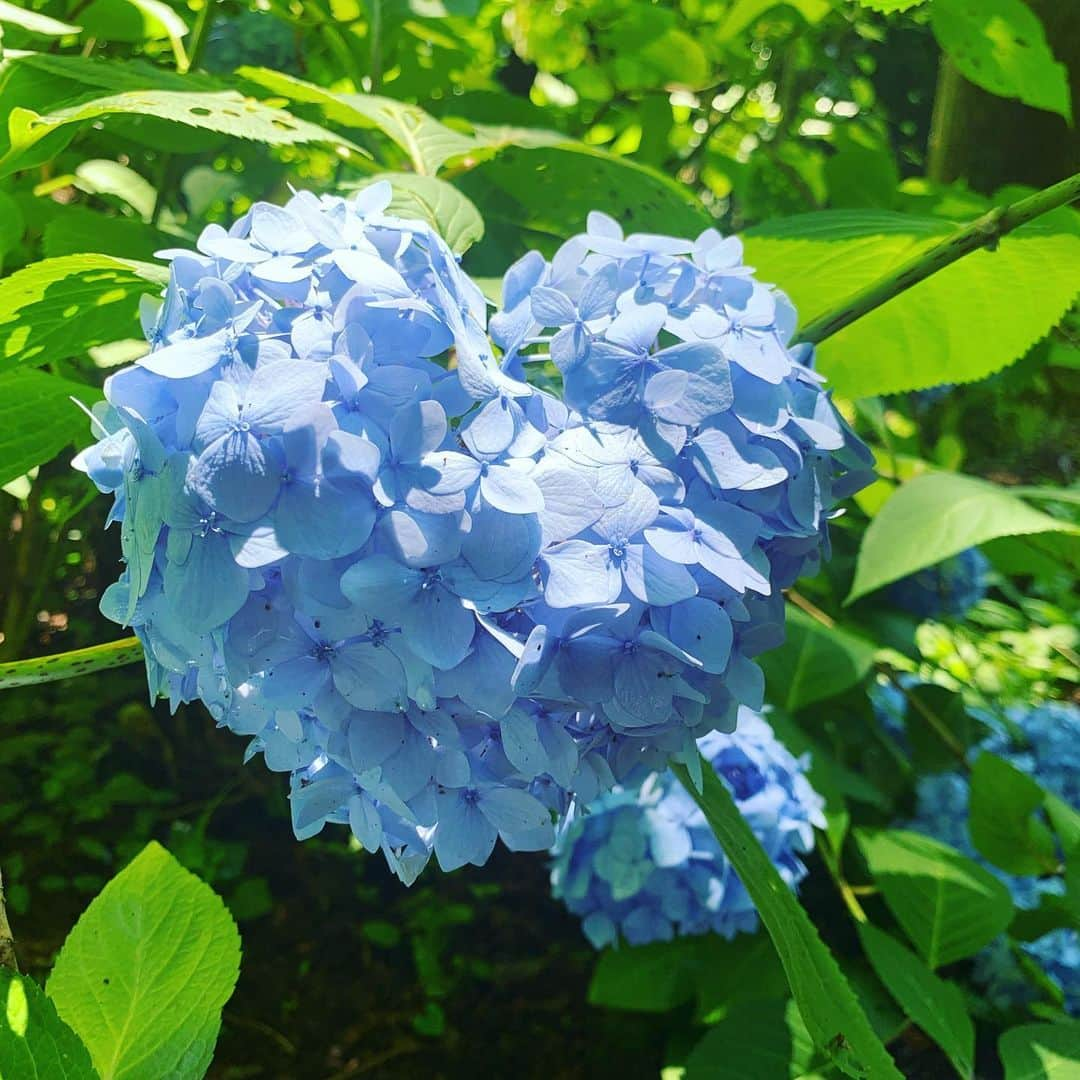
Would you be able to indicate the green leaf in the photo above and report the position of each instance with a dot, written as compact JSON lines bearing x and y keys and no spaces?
{"x":940,"y":727}
{"x":75,"y":229}
{"x":146,"y":970}
{"x":12,"y":225}
{"x":59,"y":308}
{"x":542,"y":195}
{"x":1001,"y":818}
{"x":826,"y":1003}
{"x":34,"y":22}
{"x":959,"y":325}
{"x":948,"y":905}
{"x":1041,"y":1052}
{"x":936,"y":515}
{"x":35,"y":1044}
{"x":428,"y":142}
{"x":756,"y":1039}
{"x":1000,"y":45}
{"x":441,"y":205}
{"x":70,"y":665}
{"x":815,"y":662}
{"x":646,"y":978}
{"x":225,"y":112}
{"x":663,"y":975}
{"x":38,"y":419}
{"x":934,"y":1004}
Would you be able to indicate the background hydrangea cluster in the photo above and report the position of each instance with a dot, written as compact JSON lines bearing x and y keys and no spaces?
{"x":952,"y":587}
{"x":641,"y":863}
{"x":445,"y":601}
{"x":1044,"y":743}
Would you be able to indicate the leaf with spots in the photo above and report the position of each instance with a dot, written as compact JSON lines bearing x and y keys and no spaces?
{"x":1000,"y":45}
{"x":35,"y":1044}
{"x":143,"y":976}
{"x":37,"y":137}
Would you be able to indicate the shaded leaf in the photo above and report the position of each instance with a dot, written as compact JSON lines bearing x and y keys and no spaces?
{"x":815,"y":662}
{"x":1001,"y":818}
{"x":1041,"y":1052}
{"x":934,"y":1004}
{"x":948,"y":905}
{"x":38,"y":419}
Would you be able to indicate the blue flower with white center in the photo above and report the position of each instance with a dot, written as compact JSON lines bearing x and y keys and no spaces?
{"x":447,"y":602}
{"x":640,"y":863}
{"x":952,"y":587}
{"x":1043,"y":742}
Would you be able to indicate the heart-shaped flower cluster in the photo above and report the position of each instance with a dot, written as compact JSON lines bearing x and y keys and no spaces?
{"x":446,"y":601}
{"x":643,"y":865}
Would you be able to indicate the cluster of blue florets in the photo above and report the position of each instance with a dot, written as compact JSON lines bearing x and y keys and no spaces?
{"x":1044,"y":743}
{"x":952,"y":587}
{"x":445,"y":601}
{"x":641,"y":863}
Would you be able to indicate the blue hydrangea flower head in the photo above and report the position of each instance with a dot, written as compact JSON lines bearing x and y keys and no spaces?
{"x":952,"y":587}
{"x":1044,"y":743}
{"x":641,"y":864}
{"x":446,"y":602}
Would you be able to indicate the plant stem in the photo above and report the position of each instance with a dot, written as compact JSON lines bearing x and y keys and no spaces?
{"x":983,"y":232}
{"x":375,"y":33}
{"x":7,"y":939}
{"x":67,"y":665}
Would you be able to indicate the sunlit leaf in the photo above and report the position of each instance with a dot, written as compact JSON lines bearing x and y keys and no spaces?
{"x":145,"y":972}
{"x":961,"y":324}
{"x":937,"y":515}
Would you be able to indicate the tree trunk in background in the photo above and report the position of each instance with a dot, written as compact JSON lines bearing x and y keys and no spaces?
{"x":990,"y":141}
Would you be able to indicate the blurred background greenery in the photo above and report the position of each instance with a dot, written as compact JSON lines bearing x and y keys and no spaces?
{"x":761,"y":109}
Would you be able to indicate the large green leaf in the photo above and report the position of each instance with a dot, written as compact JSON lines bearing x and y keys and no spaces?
{"x":958,"y":325}
{"x":815,"y":662}
{"x":59,"y":308}
{"x":34,"y":22}
{"x":936,"y":515}
{"x":35,"y":1044}
{"x":934,"y":1004}
{"x":132,"y":20}
{"x":441,"y":205}
{"x":225,"y":112}
{"x":743,"y":13}
{"x":829,"y":1009}
{"x":1000,"y":45}
{"x":38,"y":418}
{"x":76,"y":229}
{"x":146,"y":970}
{"x":947,"y":904}
{"x":1041,"y":1052}
{"x":1002,"y":821}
